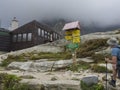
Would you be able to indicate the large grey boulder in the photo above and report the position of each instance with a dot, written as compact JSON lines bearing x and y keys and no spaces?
{"x":90,"y":80}
{"x":43,"y":65}
{"x":54,"y":85}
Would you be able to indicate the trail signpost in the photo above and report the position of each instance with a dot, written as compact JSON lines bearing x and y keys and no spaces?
{"x":72,"y":34}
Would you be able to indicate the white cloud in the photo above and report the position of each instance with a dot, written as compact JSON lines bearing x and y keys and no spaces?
{"x":106,"y":12}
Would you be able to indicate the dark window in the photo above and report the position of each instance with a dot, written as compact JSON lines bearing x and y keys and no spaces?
{"x":46,"y":34}
{"x":29,"y":36}
{"x":14,"y":38}
{"x":19,"y":37}
{"x":54,"y":35}
{"x":24,"y":37}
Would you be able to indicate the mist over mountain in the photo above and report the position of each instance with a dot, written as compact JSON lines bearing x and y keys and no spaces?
{"x":58,"y":24}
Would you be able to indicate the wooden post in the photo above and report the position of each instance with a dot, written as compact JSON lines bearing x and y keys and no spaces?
{"x":74,"y":57}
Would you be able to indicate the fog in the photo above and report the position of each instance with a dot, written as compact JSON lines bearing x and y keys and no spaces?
{"x":102,"y":12}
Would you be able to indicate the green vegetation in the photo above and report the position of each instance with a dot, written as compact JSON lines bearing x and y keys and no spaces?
{"x":12,"y":58}
{"x":89,"y":47}
{"x":70,"y":89}
{"x":36,"y":56}
{"x":53,"y":56}
{"x":76,"y":79}
{"x":92,"y":87}
{"x":79,"y":66}
{"x":11,"y":82}
{"x":99,"y":69}
{"x":99,"y":58}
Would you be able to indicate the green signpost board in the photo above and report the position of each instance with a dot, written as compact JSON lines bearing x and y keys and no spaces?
{"x":72,"y":46}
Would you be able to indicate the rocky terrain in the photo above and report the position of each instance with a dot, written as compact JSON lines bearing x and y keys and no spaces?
{"x":58,"y":74}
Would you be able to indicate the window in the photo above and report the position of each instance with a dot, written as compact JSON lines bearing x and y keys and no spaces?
{"x":45,"y":34}
{"x":39,"y":31}
{"x":42,"y":33}
{"x":48,"y":35}
{"x":29,"y":36}
{"x":24,"y":37}
{"x":14,"y":38}
{"x":19,"y":37}
{"x":51,"y":37}
{"x":56,"y":36}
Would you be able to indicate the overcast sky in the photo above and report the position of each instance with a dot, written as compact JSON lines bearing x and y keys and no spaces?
{"x":103,"y":12}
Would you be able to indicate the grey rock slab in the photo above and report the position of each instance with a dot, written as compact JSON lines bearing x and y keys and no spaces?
{"x":55,"y":85}
{"x":109,"y":66}
{"x":90,"y":80}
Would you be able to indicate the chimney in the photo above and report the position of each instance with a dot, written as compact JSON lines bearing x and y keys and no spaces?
{"x":14,"y":24}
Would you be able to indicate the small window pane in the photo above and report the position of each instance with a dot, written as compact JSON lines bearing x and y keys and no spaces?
{"x":14,"y":38}
{"x":42,"y":33}
{"x":29,"y":36}
{"x":51,"y":37}
{"x":24,"y":37}
{"x":45,"y":34}
{"x":48,"y":35}
{"x":39,"y":30}
{"x":56,"y":36}
{"x":19,"y":37}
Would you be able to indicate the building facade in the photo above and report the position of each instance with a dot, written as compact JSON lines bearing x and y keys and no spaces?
{"x":31,"y":34}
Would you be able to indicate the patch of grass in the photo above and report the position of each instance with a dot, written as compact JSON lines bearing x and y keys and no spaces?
{"x":76,"y":79}
{"x":78,"y":66}
{"x":11,"y":82}
{"x":100,"y":69}
{"x":89,"y":47}
{"x":32,"y":56}
{"x":54,"y":56}
{"x":27,"y":77}
{"x":99,"y":58}
{"x":92,"y":87}
{"x":12,"y":58}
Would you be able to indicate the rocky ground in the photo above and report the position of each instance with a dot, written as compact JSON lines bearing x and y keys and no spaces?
{"x":59,"y":80}
{"x":38,"y":73}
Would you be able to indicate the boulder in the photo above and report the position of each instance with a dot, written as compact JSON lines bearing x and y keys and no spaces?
{"x":90,"y":80}
{"x":53,"y":85}
{"x":43,"y":65}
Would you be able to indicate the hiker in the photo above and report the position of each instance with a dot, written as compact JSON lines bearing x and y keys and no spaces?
{"x":115,"y":59}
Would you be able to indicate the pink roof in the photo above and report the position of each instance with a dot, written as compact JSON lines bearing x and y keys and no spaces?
{"x":72,"y":25}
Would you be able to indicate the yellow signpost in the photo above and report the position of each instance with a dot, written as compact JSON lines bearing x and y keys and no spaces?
{"x":72,"y":33}
{"x":68,"y":37}
{"x":76,"y":32}
{"x":76,"y":39}
{"x":73,"y":36}
{"x":68,"y":33}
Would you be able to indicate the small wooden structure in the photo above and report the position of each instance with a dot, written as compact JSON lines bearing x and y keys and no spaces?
{"x":31,"y":34}
{"x":72,"y":34}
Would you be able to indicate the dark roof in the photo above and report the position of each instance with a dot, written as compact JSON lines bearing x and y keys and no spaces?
{"x":35,"y":24}
{"x":4,"y":30}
